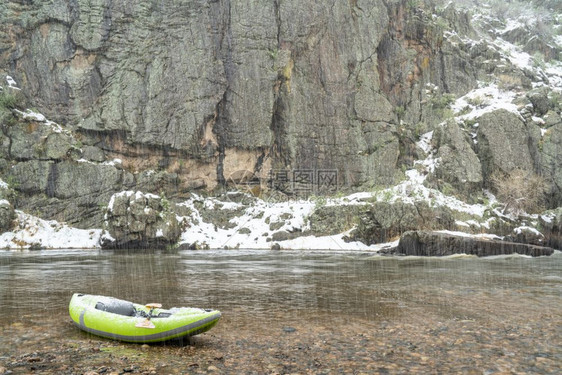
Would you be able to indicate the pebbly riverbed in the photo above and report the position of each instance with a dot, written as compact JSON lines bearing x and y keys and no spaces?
{"x":291,"y":313}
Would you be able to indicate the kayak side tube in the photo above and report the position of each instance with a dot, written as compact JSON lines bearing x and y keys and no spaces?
{"x":174,"y":323}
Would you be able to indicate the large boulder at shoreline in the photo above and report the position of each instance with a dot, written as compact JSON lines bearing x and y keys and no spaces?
{"x":423,"y":243}
{"x":384,"y":221}
{"x":139,"y":220}
{"x":331,"y":220}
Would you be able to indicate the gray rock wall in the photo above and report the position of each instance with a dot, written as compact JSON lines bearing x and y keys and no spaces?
{"x":297,"y":84}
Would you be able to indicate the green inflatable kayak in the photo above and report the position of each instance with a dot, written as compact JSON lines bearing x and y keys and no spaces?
{"x":126,"y":321}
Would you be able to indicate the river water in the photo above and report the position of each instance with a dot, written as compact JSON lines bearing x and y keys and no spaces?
{"x":291,"y":312}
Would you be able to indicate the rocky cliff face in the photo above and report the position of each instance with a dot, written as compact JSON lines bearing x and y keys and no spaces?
{"x":283,"y":84}
{"x":171,"y":96}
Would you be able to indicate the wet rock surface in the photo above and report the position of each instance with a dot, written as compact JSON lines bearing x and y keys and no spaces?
{"x":423,"y":243}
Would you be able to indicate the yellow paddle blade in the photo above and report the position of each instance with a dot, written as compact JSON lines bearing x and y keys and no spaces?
{"x":153,"y":305}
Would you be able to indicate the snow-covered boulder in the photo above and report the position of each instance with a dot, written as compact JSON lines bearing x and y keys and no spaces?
{"x":528,"y":235}
{"x":139,"y":220}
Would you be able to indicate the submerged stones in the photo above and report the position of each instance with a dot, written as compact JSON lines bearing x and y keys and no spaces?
{"x":140,"y":220}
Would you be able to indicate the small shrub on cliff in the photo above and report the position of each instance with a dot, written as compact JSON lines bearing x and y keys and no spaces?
{"x":400,"y":111}
{"x":519,"y":191}
{"x":7,"y":101}
{"x":164,"y":202}
{"x":10,"y":99}
{"x":441,"y":102}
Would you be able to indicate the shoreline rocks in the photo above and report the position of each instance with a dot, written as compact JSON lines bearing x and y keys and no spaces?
{"x":424,"y":243}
